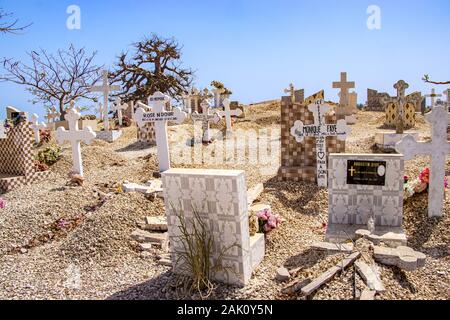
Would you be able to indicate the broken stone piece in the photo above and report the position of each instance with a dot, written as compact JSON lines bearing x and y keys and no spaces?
{"x":391,"y":239}
{"x":283,"y":274}
{"x":145,"y":236}
{"x":165,"y":262}
{"x":333,"y":247}
{"x":403,"y":257}
{"x":369,"y":276}
{"x":295,"y":286}
{"x":368,"y":294}
{"x":155,"y":223}
{"x":145,"y":246}
{"x":328,"y":275}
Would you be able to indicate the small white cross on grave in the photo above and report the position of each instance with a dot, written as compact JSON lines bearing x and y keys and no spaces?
{"x":159,"y":115}
{"x":75,"y":136}
{"x":438,"y":148}
{"x":187,"y":103}
{"x":228,"y":113}
{"x":433,"y":97}
{"x":217,"y":93}
{"x":37,"y":127}
{"x":291,"y":91}
{"x":118,"y":107}
{"x":320,"y":131}
{"x":2,"y":131}
{"x":105,"y":88}
{"x":345,"y":87}
{"x":205,"y":117}
{"x":52,"y":114}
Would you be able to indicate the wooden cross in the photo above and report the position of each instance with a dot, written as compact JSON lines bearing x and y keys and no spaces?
{"x":105,"y":88}
{"x":401,"y":102}
{"x":438,"y":148}
{"x":291,"y":91}
{"x":205,"y":117}
{"x":433,"y":97}
{"x":320,"y":131}
{"x":52,"y":114}
{"x":118,"y":106}
{"x":75,"y":136}
{"x":345,"y":87}
{"x":37,"y":127}
{"x":228,"y":113}
{"x":159,"y":116}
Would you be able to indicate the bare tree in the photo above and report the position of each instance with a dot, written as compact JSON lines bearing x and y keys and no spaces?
{"x":8,"y":25}
{"x":426,"y":78}
{"x":55,"y":79}
{"x":154,"y":66}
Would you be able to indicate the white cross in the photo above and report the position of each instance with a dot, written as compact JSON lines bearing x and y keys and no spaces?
{"x":187,"y":103}
{"x":205,"y":117}
{"x":118,"y":107}
{"x":320,"y":131}
{"x":37,"y":127}
{"x":2,"y":131}
{"x":217,"y":93}
{"x":228,"y":113}
{"x":75,"y":136}
{"x":344,"y":86}
{"x":52,"y":114}
{"x":438,"y":148}
{"x":159,"y":115}
{"x":105,"y":88}
{"x":433,"y":97}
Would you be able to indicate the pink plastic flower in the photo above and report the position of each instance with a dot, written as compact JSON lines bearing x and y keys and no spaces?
{"x":2,"y":203}
{"x":272,"y":222}
{"x":424,"y":176}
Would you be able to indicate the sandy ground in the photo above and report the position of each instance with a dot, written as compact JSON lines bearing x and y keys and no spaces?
{"x":93,"y":257}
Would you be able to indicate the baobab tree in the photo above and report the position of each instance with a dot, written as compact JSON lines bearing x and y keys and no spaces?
{"x":55,"y":79}
{"x":154,"y":66}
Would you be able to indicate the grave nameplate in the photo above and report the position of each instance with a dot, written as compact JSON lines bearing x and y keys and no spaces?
{"x":369,"y":173}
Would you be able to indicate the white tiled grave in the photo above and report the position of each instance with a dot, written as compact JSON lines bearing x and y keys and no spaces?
{"x":220,"y":199}
{"x":351,"y":205}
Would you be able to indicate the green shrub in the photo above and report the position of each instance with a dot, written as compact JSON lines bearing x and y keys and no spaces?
{"x":49,"y":155}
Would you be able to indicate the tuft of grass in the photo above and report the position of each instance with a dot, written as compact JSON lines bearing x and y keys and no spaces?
{"x":195,"y":261}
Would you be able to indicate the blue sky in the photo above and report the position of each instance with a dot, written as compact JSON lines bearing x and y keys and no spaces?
{"x":255,"y":47}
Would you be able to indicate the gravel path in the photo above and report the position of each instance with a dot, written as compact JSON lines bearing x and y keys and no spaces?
{"x":95,"y":258}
